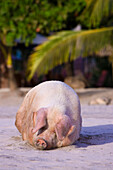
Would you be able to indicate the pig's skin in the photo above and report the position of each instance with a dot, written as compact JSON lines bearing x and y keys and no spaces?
{"x":59,"y":108}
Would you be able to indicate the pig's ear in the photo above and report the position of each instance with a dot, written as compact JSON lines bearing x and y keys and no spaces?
{"x":39,"y":119}
{"x":63,"y":128}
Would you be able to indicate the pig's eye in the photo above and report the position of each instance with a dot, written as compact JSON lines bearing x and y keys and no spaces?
{"x":41,"y":130}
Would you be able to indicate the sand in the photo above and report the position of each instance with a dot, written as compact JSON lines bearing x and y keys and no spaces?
{"x":93,"y":151}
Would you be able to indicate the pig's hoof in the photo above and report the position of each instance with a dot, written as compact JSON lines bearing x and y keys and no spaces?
{"x":41,"y":144}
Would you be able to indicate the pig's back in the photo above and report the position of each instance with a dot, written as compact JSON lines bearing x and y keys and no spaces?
{"x":55,"y":94}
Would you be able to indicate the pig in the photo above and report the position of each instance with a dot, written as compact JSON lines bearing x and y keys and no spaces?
{"x":50,"y":116}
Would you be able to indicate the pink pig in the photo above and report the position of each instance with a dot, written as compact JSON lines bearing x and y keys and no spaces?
{"x":49,"y":116}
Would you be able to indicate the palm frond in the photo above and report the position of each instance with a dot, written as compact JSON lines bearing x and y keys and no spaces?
{"x":96,"y":11}
{"x":65,"y":46}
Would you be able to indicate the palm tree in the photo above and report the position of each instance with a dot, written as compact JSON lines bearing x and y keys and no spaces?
{"x":97,"y":13}
{"x":68,"y":45}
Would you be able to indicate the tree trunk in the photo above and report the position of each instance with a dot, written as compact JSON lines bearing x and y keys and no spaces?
{"x":11,"y":77}
{"x":112,"y":73}
{"x":111,"y":61}
{"x":69,"y":69}
{"x":3,"y":68}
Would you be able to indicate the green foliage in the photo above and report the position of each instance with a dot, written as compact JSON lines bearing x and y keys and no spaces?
{"x":65,"y":46}
{"x":97,"y":13}
{"x":18,"y":19}
{"x":55,"y":15}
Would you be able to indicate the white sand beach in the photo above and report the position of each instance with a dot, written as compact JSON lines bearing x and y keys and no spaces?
{"x":93,"y":151}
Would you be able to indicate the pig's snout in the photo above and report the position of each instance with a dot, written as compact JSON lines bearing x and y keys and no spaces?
{"x":41,"y":144}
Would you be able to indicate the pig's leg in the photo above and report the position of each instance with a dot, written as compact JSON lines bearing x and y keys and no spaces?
{"x":19,"y":117}
{"x":21,"y":114}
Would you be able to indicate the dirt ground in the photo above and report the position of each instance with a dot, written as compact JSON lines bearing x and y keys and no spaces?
{"x":93,"y":151}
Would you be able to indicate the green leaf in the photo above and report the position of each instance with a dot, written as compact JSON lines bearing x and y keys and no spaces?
{"x":67,"y":45}
{"x":96,"y":13}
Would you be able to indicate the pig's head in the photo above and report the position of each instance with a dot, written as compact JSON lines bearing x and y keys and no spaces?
{"x":51,"y":131}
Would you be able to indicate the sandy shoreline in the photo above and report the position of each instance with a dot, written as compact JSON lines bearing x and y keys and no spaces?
{"x":92,"y":151}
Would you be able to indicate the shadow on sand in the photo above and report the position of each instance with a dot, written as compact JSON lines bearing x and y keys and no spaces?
{"x":95,"y":135}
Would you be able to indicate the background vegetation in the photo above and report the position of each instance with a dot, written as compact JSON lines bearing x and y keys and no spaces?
{"x":21,"y":20}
